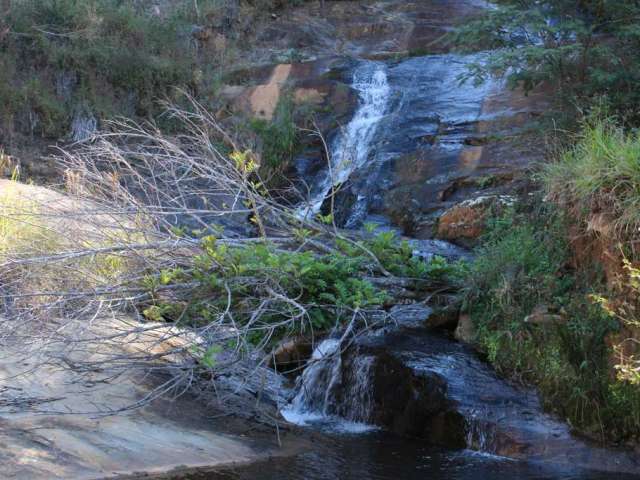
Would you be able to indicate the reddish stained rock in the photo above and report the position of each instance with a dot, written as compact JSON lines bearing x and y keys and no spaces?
{"x":291,"y":354}
{"x":465,"y":222}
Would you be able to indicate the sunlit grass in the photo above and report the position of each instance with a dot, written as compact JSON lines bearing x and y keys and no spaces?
{"x":30,"y":228}
{"x":601,"y":173}
{"x":21,"y":228}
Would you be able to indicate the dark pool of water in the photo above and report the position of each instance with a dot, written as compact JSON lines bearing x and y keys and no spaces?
{"x":380,"y":456}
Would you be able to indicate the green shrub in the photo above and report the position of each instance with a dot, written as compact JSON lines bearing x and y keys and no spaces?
{"x":521,"y":265}
{"x":329,"y":287}
{"x":279,"y":137}
{"x":583,"y":49}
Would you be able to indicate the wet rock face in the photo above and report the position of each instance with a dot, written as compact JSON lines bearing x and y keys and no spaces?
{"x":409,"y":404}
{"x":377,"y":388}
{"x":440,"y":144}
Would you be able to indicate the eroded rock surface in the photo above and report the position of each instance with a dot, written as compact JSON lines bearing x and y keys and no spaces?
{"x":58,"y":421}
{"x":425,"y":385}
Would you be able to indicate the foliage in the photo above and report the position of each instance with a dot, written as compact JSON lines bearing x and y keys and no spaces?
{"x":585,"y":49}
{"x":600,"y":173}
{"x":521,"y":265}
{"x":102,"y":48}
{"x":398,"y":258}
{"x":117,"y":57}
{"x":327,"y":288}
{"x":625,"y":307}
{"x":279,"y":136}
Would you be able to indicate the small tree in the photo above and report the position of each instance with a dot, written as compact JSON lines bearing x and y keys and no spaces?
{"x":584,"y":49}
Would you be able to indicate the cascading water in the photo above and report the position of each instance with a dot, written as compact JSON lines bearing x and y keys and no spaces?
{"x":314,"y":385}
{"x":352,"y":147}
{"x":410,"y":381}
{"x":322,"y":383}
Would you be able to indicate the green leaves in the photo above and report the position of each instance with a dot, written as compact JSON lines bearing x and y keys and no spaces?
{"x":209,"y":359}
{"x":240,"y":281}
{"x":583,"y":49}
{"x":279,"y":136}
{"x":522,"y":266}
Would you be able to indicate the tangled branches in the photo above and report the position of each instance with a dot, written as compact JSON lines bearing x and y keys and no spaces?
{"x":168,"y":253}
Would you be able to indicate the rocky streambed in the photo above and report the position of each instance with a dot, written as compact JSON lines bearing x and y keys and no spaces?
{"x":417,"y":383}
{"x":429,"y":156}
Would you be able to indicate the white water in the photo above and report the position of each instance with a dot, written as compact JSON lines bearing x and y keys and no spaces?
{"x":314,"y":402}
{"x":352,"y":147}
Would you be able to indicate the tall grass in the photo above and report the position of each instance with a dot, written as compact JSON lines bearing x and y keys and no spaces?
{"x":601,"y":173}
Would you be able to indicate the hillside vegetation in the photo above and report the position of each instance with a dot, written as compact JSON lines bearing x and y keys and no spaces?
{"x":65,"y":65}
{"x":554,"y":293}
{"x":583,"y":50}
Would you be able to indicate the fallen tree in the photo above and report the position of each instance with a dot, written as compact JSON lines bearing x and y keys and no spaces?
{"x":172,"y":246}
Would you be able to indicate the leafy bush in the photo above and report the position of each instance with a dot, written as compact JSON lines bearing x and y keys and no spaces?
{"x":327,"y":288}
{"x":279,"y":137}
{"x":521,"y":265}
{"x":397,"y":257}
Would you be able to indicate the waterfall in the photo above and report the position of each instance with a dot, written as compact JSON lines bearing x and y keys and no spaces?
{"x":322,"y":390}
{"x":352,"y":147}
{"x":314,"y":385}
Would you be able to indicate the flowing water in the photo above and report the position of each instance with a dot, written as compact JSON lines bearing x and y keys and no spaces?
{"x":315,"y":401}
{"x":420,"y":100}
{"x":400,"y":105}
{"x":351,"y":149}
{"x":499,"y":418}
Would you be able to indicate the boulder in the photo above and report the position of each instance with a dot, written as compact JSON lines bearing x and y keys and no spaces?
{"x":465,"y":222}
{"x":542,"y":315}
{"x":411,"y":316}
{"x":398,"y":398}
{"x":444,"y":317}
{"x":291,"y":354}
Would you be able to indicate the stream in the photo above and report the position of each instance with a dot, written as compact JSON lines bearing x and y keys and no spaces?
{"x":382,"y":456}
{"x":403,"y":402}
